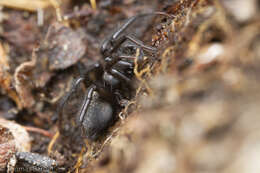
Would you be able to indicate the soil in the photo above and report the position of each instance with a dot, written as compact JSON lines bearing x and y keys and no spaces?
{"x":195,"y":107}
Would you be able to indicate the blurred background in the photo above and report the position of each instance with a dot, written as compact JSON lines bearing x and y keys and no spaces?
{"x":196,"y":110}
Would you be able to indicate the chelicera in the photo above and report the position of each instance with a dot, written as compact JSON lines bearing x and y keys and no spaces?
{"x":109,"y":80}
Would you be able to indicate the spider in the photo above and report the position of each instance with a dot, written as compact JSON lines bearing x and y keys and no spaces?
{"x":110,"y":80}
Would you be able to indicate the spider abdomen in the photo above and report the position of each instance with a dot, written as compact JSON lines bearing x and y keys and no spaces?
{"x":97,"y":118}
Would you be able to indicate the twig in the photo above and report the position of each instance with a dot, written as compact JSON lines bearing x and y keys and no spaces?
{"x":93,"y":4}
{"x":53,"y":140}
{"x":28,"y":5}
{"x":40,"y":131}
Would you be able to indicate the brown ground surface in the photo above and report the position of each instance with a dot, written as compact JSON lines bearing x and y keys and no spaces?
{"x":196,"y":109}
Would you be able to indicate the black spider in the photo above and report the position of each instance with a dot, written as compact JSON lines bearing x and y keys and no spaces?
{"x":109,"y":80}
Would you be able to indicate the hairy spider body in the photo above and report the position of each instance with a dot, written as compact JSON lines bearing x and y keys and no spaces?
{"x":109,"y":80}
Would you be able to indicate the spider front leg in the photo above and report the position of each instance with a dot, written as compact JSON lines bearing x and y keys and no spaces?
{"x":137,"y":42}
{"x":120,"y":40}
{"x":117,"y":72}
{"x":138,"y":55}
{"x":132,"y":19}
{"x":112,"y":43}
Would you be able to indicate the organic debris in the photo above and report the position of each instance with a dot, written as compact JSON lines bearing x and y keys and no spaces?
{"x":13,"y":138}
{"x":195,"y":108}
{"x":6,"y":78}
{"x":26,"y":4}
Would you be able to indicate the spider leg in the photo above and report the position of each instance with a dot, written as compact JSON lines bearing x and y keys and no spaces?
{"x":123,"y":60}
{"x":134,"y":40}
{"x":139,"y":43}
{"x":96,"y":113}
{"x":116,"y":39}
{"x":81,"y":68}
{"x":127,"y":57}
{"x":124,"y":64}
{"x":86,"y":102}
{"x":121,"y":64}
{"x":132,"y":19}
{"x":67,"y":96}
{"x":120,"y":76}
{"x":92,"y":73}
{"x":132,"y":58}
